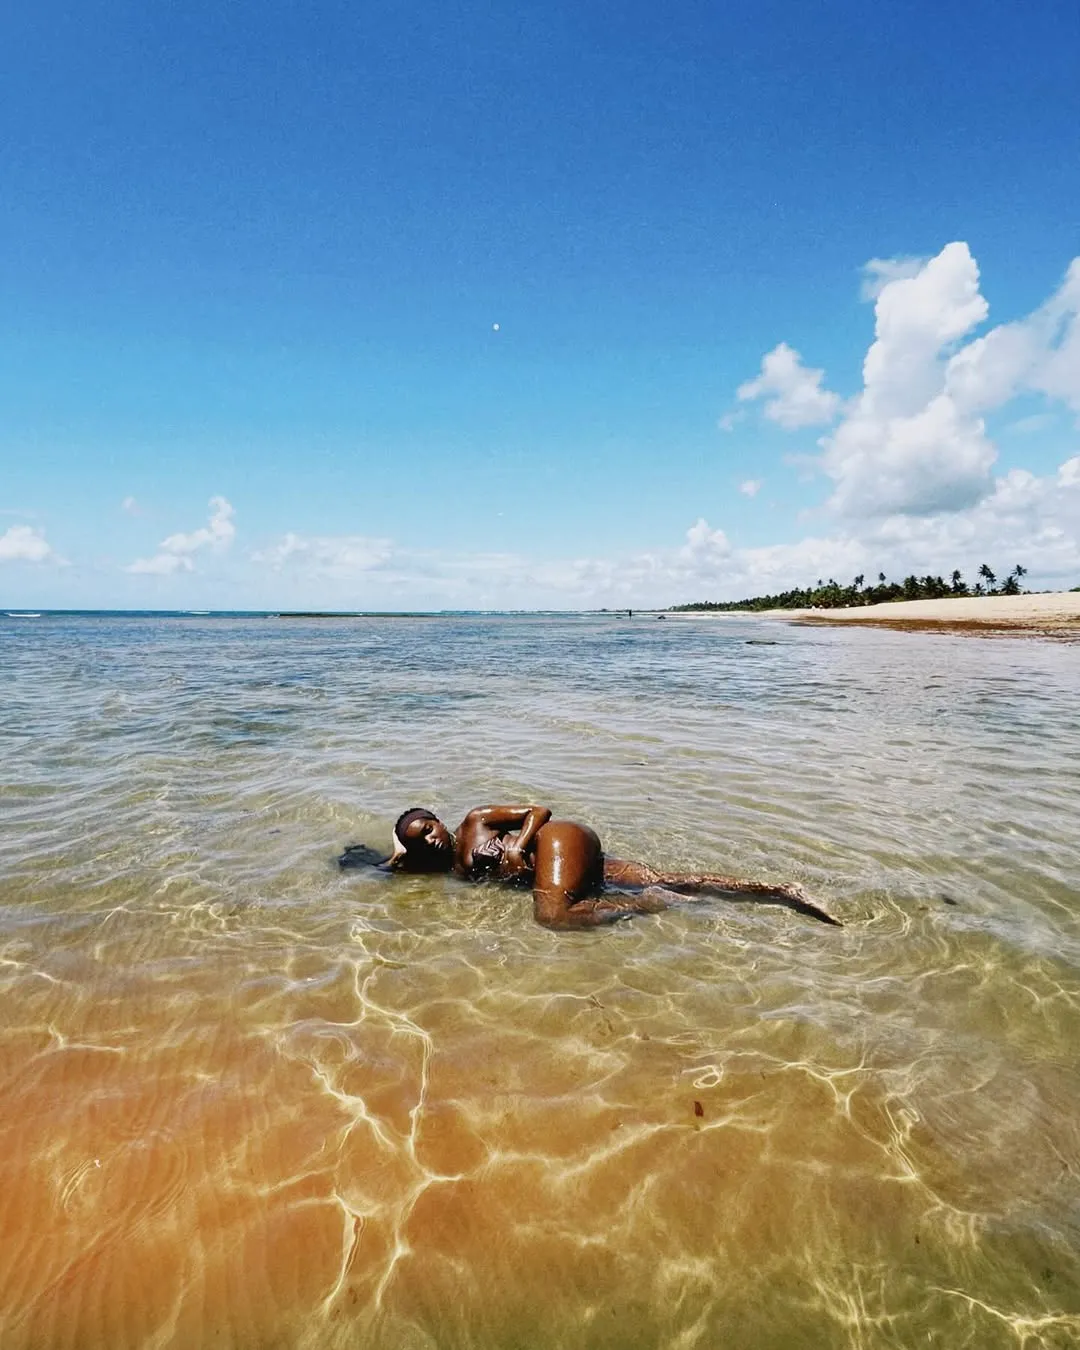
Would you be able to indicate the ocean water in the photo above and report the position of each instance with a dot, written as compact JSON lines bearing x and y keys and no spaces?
{"x":249,"y":1100}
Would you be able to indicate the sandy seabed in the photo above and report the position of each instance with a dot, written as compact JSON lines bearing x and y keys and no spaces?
{"x":251,"y":1102}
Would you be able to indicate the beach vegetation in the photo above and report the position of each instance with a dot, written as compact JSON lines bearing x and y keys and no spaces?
{"x":832,"y":595}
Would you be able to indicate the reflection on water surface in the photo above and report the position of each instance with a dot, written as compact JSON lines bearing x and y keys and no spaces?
{"x":251,"y":1101}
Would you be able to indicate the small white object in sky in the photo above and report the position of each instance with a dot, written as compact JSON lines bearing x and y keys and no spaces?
{"x":494,"y":327}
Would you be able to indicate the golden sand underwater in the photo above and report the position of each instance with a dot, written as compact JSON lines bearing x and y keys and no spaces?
{"x":251,"y":1101}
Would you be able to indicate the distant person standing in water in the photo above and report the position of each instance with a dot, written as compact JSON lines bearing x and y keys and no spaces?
{"x":564,"y":864}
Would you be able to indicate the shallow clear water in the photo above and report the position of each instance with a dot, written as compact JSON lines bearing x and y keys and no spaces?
{"x":248,"y":1100}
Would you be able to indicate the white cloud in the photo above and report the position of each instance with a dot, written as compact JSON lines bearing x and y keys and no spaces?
{"x":162,"y":565}
{"x":705,"y":545}
{"x":174,"y":553}
{"x":219,"y":532}
{"x":24,"y":543}
{"x":793,"y":394}
{"x":906,"y":444}
{"x":1039,"y":354}
{"x":751,"y":487}
{"x":131,"y":507}
{"x":934,"y":460}
{"x":1057,"y":374}
{"x":916,"y":317}
{"x":1024,"y":519}
{"x":913,"y":441}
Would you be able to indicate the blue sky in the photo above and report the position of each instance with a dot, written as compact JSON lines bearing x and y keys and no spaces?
{"x":252,"y":257}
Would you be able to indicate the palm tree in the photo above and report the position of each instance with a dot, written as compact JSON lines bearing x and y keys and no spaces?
{"x":988,"y":577}
{"x":1012,"y":581}
{"x":958,"y":586}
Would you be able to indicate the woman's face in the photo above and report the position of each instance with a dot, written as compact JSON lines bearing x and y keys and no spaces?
{"x":428,"y":835}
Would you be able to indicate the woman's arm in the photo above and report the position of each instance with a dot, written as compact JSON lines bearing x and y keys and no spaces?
{"x":525,"y":819}
{"x":485,"y":821}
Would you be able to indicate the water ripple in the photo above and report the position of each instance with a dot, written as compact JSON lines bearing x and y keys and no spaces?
{"x":250,"y":1100}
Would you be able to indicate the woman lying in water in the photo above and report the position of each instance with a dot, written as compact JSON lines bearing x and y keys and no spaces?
{"x":565,"y":865}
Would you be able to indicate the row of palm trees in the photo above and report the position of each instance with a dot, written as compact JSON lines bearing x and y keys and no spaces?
{"x":831,"y":595}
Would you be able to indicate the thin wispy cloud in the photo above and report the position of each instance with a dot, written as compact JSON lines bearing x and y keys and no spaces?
{"x":341,"y":556}
{"x":879,"y":272}
{"x":1031,"y":426}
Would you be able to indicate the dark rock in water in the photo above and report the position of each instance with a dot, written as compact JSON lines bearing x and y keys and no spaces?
{"x":360,"y":855}
{"x":762,"y":642}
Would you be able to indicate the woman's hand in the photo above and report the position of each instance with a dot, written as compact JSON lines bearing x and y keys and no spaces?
{"x":514,"y":862}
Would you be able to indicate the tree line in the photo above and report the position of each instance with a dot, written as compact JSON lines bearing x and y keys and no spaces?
{"x":831,"y":595}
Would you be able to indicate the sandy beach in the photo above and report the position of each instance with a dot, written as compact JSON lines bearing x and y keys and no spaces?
{"x":1054,"y":615}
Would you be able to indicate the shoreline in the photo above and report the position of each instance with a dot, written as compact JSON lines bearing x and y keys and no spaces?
{"x":1056,"y":614}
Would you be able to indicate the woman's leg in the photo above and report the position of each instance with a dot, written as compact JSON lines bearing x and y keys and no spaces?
{"x":619,"y":872}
